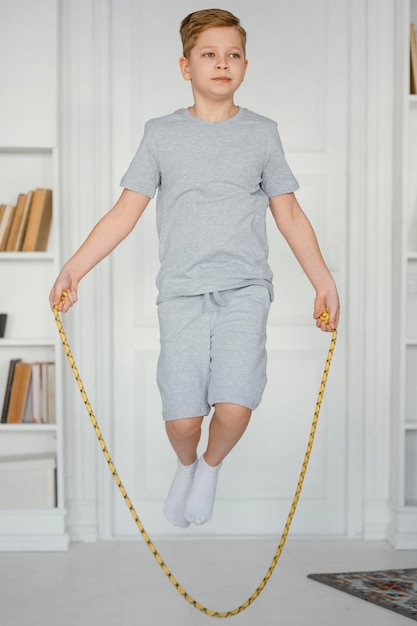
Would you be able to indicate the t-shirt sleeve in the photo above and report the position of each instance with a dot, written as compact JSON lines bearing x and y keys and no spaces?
{"x":277,"y":177}
{"x":143,"y":173}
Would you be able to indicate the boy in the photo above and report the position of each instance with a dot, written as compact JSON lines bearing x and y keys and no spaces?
{"x":217,"y":167}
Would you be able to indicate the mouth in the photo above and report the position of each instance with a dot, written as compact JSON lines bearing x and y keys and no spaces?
{"x":222,"y":79}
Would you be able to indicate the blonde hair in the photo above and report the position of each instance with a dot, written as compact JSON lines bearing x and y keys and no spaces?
{"x":198,"y":21}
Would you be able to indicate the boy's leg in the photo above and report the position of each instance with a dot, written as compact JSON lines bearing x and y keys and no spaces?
{"x":192,"y":492}
{"x":183,"y":376}
{"x":237,"y":380}
{"x":227,"y":426}
{"x":184,"y":435}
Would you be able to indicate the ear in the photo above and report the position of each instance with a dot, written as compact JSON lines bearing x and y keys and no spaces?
{"x":246,"y":67}
{"x":185,"y":68}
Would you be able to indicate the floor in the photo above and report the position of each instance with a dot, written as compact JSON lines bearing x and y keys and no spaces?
{"x":120,"y":584}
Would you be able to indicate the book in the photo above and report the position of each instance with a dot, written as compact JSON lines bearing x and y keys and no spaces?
{"x":28,"y":412}
{"x":2,"y":223}
{"x":36,"y":393}
{"x":7,"y":392}
{"x":21,"y":232}
{"x":11,"y":245}
{"x":49,"y":392}
{"x":19,"y":393}
{"x":39,"y":222}
{"x":5,"y":226}
{"x":413,"y":60}
{"x":40,"y":405}
{"x":3,"y":322}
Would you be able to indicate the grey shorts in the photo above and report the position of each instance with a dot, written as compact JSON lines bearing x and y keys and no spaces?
{"x":212,"y":350}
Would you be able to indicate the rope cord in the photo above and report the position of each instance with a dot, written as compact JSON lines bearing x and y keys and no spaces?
{"x":151,"y":546}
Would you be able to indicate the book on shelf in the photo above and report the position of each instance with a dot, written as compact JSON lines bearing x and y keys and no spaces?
{"x":5,"y":225}
{"x":19,"y":393}
{"x":413,"y":60}
{"x":30,"y":393}
{"x":3,"y":322}
{"x":7,"y":392}
{"x":49,"y":393}
{"x":3,"y":208}
{"x":39,"y":222}
{"x":41,"y":406}
{"x":13,"y":242}
{"x":22,"y":227}
{"x":26,"y":226}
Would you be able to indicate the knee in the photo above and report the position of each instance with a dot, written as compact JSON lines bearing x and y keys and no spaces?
{"x":232,"y":412}
{"x":183,"y":428}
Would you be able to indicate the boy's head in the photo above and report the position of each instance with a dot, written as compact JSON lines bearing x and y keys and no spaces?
{"x":199,"y":21}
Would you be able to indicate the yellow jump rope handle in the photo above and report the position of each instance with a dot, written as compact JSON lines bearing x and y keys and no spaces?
{"x":325,"y":317}
{"x":200,"y":607}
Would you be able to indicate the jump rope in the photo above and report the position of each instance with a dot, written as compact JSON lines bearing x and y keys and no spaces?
{"x":325,"y":317}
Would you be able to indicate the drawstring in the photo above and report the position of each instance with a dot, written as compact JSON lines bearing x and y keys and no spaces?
{"x":218,"y":300}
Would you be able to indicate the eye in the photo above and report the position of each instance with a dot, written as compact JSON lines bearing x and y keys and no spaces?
{"x":208,"y":54}
{"x":235,"y":55}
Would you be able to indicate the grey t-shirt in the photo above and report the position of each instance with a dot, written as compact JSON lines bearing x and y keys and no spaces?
{"x":214,"y":181}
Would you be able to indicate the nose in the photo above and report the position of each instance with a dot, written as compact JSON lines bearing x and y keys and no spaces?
{"x":222,"y":64}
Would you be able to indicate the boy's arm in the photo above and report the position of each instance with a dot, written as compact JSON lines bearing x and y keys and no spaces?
{"x":105,"y":236}
{"x":299,"y":234}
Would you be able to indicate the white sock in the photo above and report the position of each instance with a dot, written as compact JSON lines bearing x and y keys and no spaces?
{"x":180,"y":488}
{"x":200,"y":502}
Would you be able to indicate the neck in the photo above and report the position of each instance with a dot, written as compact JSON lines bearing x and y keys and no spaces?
{"x":214,"y":113}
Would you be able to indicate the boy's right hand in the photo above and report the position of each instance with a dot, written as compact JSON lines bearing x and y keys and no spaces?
{"x":64,"y":293}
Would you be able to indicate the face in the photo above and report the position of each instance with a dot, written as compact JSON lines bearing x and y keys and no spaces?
{"x":217,"y":65}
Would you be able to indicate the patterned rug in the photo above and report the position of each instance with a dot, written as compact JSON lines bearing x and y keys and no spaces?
{"x":394,"y":589}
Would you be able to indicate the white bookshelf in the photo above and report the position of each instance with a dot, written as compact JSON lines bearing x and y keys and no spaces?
{"x":403,"y":528}
{"x":29,"y":158}
{"x":31,"y":335}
